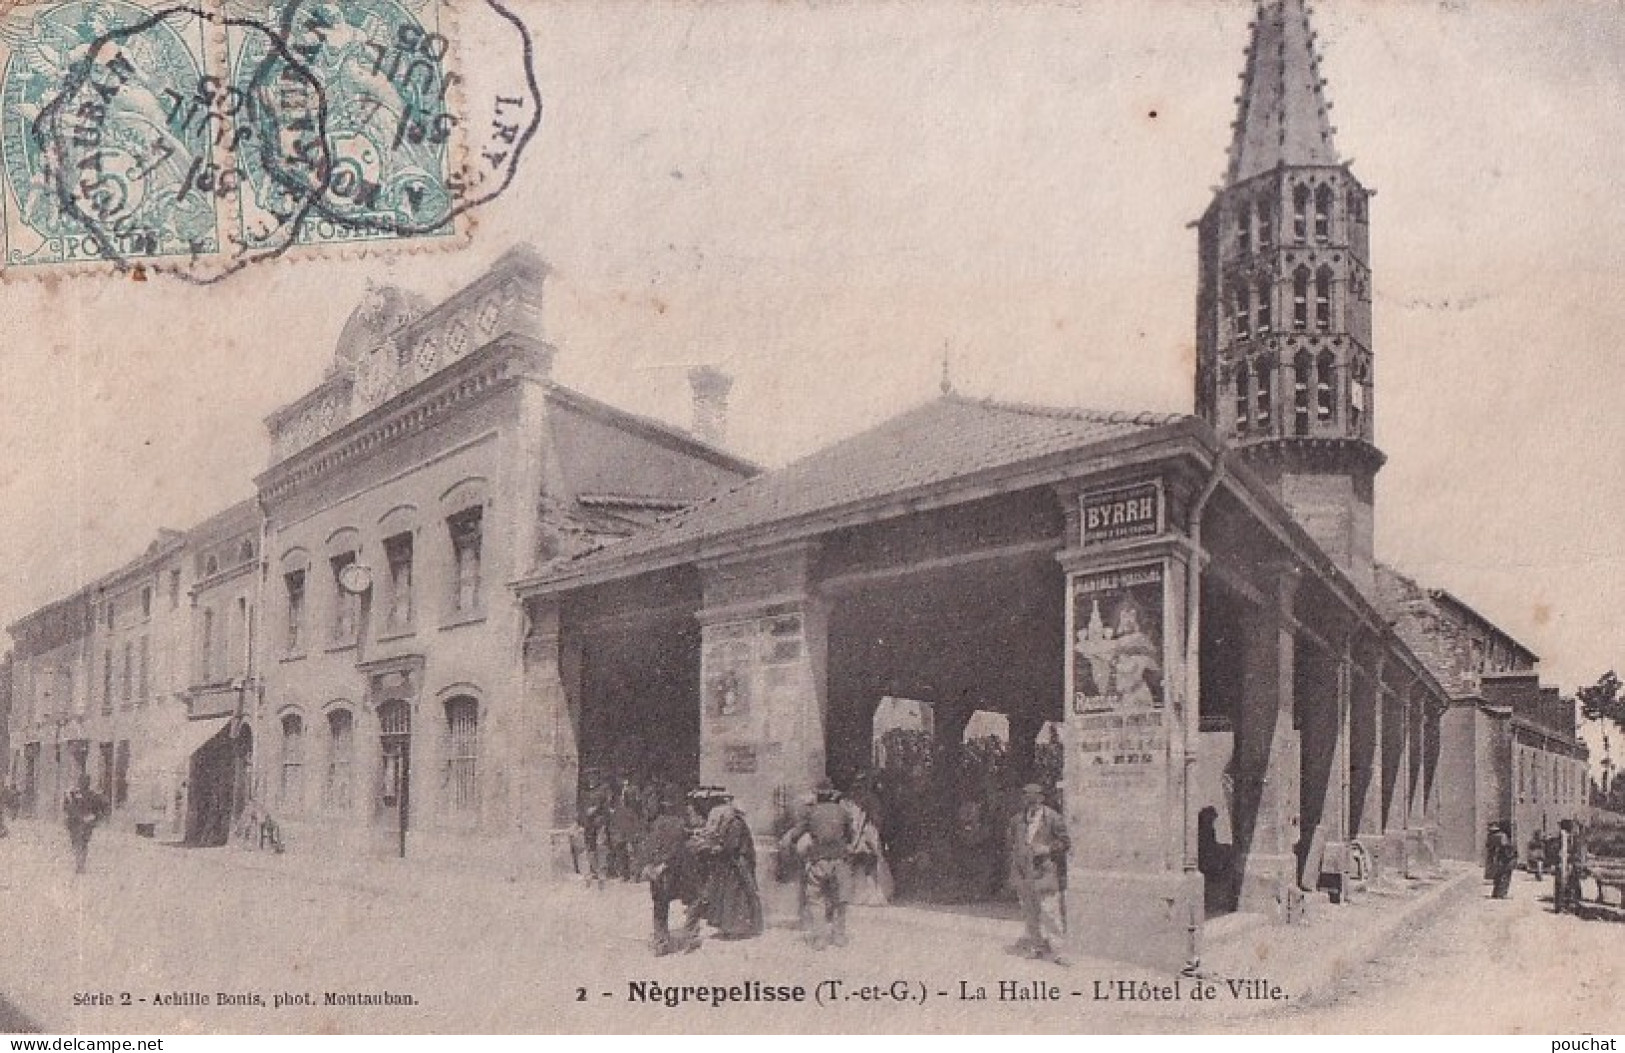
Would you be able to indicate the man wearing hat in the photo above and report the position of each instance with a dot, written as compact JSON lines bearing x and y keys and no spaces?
{"x":1038,"y":848}
{"x":824,"y":839}
{"x":1503,"y":857}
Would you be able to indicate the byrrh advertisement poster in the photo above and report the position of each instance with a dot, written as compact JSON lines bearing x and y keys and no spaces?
{"x":530,"y":516}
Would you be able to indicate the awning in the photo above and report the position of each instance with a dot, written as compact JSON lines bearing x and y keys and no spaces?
{"x":175,"y":754}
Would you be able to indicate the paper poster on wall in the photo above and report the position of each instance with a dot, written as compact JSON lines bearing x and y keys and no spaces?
{"x":1117,"y":619}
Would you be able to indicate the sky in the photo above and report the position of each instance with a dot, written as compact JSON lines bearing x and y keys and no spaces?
{"x":823,"y":197}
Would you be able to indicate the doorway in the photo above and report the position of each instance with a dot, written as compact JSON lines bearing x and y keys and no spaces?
{"x":394,"y":811}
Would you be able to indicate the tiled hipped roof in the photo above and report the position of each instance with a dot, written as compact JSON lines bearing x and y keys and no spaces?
{"x":951,"y":438}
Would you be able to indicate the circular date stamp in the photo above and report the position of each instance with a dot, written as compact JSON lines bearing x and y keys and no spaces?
{"x":197,"y":140}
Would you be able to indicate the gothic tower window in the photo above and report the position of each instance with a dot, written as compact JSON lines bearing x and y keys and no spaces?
{"x":1356,"y":206}
{"x":1323,"y":299}
{"x":1244,"y":228}
{"x":1300,"y":299}
{"x":1300,"y":393}
{"x":1323,"y":214}
{"x":1300,"y":214}
{"x":1243,"y":399}
{"x":1325,"y":387}
{"x":1357,"y":400}
{"x":1243,"y":312}
{"x":1266,"y":227}
{"x":1263,"y":392}
{"x":1265,"y":320}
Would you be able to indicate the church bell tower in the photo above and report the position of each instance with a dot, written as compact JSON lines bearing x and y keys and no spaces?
{"x":1283,"y":327}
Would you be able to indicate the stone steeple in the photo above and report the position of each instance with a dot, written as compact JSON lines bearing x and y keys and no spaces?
{"x":1281,"y":117}
{"x":1283,"y":330}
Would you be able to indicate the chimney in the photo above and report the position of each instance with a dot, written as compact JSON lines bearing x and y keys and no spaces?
{"x":710,"y":386}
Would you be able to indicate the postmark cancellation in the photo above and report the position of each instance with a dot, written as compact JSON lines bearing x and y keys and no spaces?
{"x":197,"y":139}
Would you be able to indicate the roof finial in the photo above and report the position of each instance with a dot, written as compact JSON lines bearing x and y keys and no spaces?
{"x":947,"y":376}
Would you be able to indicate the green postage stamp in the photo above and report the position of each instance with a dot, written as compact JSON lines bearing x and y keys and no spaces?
{"x":197,"y":139}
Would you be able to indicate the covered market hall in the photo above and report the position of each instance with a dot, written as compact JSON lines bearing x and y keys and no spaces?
{"x":1225,"y":720}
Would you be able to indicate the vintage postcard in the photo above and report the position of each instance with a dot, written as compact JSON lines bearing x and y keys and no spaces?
{"x":530,"y":516}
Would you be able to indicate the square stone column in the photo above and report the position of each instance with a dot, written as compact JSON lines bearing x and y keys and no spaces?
{"x":763,"y":688}
{"x":1419,"y":838}
{"x":1268,"y":766}
{"x":1365,"y":764}
{"x":1133,"y":891}
{"x":1396,"y":767}
{"x":1322,"y":714}
{"x":548,"y":728}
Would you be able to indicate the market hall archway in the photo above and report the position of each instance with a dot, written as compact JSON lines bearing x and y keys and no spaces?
{"x":984,"y":636}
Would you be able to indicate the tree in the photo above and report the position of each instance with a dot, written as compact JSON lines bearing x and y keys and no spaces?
{"x":1603,"y":700}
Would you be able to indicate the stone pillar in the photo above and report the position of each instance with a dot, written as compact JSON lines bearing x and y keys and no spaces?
{"x":1267,"y":765}
{"x":549,"y":759}
{"x":1396,"y":780}
{"x":1418,"y":837}
{"x":763,"y":689}
{"x":1365,"y":765}
{"x":1322,"y":710}
{"x":1133,"y":891}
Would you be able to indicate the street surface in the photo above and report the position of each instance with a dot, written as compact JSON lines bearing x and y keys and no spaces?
{"x":477,"y":953}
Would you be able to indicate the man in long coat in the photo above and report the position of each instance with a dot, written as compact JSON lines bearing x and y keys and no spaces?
{"x":1038,"y":847}
{"x":669,"y":869}
{"x":82,"y":809}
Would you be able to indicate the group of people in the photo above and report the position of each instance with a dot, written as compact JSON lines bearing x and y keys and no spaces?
{"x":694,"y":849}
{"x":1563,"y":854}
{"x":705,"y":858}
{"x":617,"y":817}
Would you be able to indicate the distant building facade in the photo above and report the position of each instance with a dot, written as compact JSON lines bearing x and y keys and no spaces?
{"x":1509,"y":748}
{"x":99,"y":687}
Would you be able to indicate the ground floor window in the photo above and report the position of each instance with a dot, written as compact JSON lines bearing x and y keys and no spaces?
{"x":340,"y":760}
{"x":293,"y":763}
{"x":462,"y":754}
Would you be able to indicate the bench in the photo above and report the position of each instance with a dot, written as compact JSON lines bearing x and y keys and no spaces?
{"x":1607,"y":872}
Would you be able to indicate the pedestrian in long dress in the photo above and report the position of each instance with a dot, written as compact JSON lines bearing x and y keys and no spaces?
{"x":732,"y":902}
{"x":871,"y":875}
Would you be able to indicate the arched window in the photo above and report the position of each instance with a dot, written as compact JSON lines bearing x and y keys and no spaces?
{"x":1244,"y":228}
{"x":292,"y":790}
{"x":1244,"y":404}
{"x":1265,"y":315}
{"x":340,"y":760}
{"x":1300,"y":214}
{"x":1243,"y":312}
{"x":1323,"y":214}
{"x":1357,"y":399}
{"x":1326,"y":387}
{"x":205,"y":651}
{"x":1263,"y":390}
{"x":462,"y":754}
{"x":1300,"y":299}
{"x":1300,"y":393}
{"x":1266,"y":226}
{"x":1356,"y":206}
{"x":1323,"y":299}
{"x":245,"y":551}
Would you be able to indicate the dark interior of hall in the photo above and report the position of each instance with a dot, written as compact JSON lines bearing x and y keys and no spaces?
{"x":983,"y":636}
